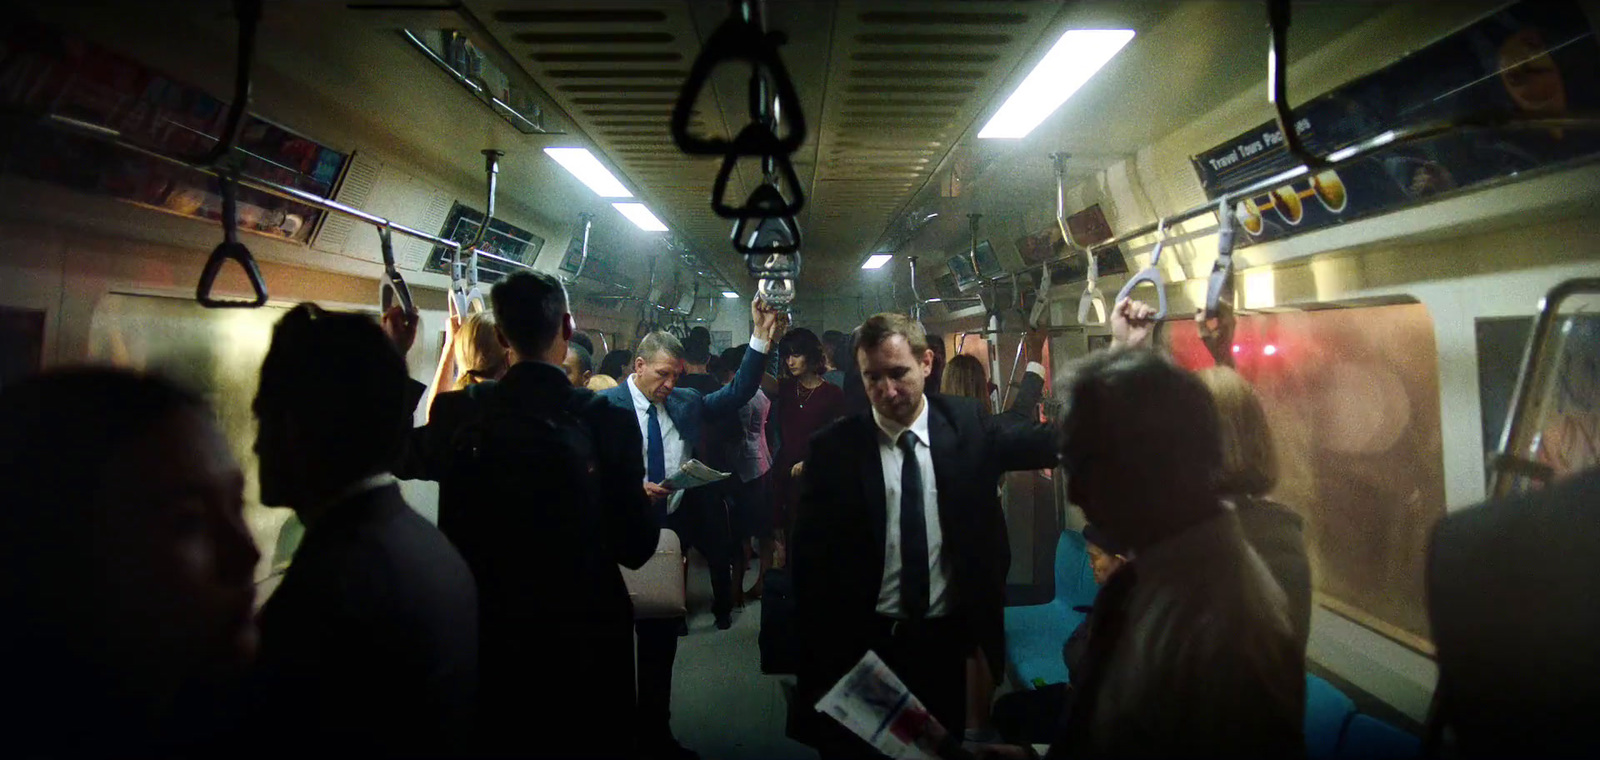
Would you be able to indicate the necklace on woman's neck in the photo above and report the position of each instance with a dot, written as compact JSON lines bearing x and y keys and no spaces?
{"x":802,"y":393}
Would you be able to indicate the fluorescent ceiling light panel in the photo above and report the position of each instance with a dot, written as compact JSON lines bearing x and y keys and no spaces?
{"x":729,"y":294}
{"x":641,"y":216}
{"x":876,"y":260}
{"x":588,"y":169}
{"x":1074,"y":59}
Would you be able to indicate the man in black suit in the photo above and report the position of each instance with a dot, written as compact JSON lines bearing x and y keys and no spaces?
{"x":900,"y":544}
{"x":539,"y":486}
{"x":370,"y":645}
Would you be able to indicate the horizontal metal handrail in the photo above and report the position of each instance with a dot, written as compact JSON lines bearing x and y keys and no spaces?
{"x":112,"y":136}
{"x":1339,"y":158}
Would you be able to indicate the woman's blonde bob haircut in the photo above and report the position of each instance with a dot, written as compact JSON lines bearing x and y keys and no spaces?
{"x":479,"y":355}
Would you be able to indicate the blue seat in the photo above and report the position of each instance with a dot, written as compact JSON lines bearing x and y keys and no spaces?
{"x":1328,"y":711}
{"x":1036,"y":633}
{"x":1368,"y":737}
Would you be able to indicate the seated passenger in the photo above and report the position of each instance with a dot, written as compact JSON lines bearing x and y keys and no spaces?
{"x":125,"y":565}
{"x":1192,"y":652}
{"x":1035,"y":716}
{"x":369,"y":646}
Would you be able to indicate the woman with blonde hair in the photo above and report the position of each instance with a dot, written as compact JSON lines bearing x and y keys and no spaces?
{"x":1249,"y":473}
{"x":477,"y":352}
{"x":599,"y":383}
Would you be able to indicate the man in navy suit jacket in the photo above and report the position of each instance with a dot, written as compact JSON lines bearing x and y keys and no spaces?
{"x":671,"y":420}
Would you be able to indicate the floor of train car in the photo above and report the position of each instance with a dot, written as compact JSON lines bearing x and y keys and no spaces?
{"x":722,"y":705}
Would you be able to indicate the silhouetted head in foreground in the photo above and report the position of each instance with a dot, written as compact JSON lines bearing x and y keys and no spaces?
{"x":1140,"y":446}
{"x":333,"y":408}
{"x":125,"y":562}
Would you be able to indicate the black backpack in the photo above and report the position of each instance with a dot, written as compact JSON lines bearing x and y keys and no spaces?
{"x":521,"y":501}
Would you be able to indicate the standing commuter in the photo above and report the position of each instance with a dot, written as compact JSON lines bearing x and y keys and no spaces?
{"x":1249,"y":457}
{"x":670,"y":420}
{"x":537,"y":486}
{"x":804,"y":405}
{"x":747,"y":453}
{"x":578,"y":365}
{"x":835,"y":345}
{"x":900,"y":545}
{"x":1141,"y":451}
{"x":125,"y":566}
{"x":369,"y":646}
{"x":615,"y":364}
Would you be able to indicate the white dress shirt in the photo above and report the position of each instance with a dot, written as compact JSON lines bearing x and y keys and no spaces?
{"x":672,"y":447}
{"x":893,"y":459}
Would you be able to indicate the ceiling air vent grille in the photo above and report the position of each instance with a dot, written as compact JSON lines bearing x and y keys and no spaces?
{"x":355,"y":188}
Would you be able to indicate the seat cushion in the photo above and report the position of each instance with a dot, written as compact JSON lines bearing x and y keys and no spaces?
{"x":1074,"y":576}
{"x":1034,"y":638}
{"x":1328,"y":710}
{"x":1368,"y":737}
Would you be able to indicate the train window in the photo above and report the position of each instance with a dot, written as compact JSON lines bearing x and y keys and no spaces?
{"x":1353,"y":398}
{"x":1567,"y":418}
{"x":217,"y":353}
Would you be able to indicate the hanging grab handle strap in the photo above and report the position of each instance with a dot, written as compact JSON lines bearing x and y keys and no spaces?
{"x":1152,"y":275}
{"x":1219,"y":289}
{"x":230,"y":248}
{"x":783,"y":207}
{"x":740,"y":38}
{"x":769,"y":208}
{"x":393,"y":286}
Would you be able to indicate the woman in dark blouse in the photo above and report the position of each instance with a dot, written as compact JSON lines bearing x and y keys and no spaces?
{"x":804,"y":404}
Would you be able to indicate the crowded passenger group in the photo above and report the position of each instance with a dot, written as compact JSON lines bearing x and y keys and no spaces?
{"x":508,"y":629}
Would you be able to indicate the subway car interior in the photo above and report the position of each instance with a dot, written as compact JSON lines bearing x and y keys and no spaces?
{"x":1394,"y":206}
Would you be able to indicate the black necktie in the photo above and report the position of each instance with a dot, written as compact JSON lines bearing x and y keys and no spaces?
{"x":913,"y":534}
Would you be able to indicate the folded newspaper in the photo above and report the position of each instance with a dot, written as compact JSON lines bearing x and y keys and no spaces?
{"x":872,"y":702}
{"x":694,"y":474}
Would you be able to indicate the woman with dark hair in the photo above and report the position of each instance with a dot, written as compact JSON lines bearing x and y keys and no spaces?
{"x":125,"y":565}
{"x":804,"y":405}
{"x":617,"y":364}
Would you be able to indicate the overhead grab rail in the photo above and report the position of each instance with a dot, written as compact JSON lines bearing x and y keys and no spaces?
{"x":765,"y":224}
{"x":222,"y":158}
{"x":1092,"y":298}
{"x":114,"y":137}
{"x":741,"y":38}
{"x":585,"y":223}
{"x":1151,"y":274}
{"x":1511,"y":463}
{"x":466,"y":296}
